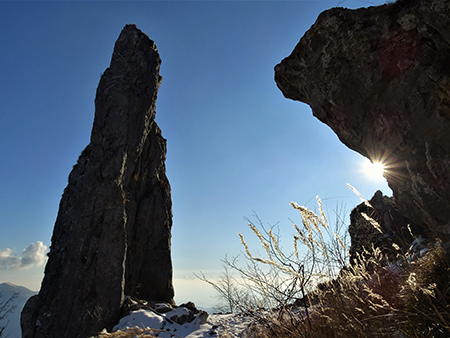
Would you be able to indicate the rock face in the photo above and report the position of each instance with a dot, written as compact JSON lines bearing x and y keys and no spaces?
{"x":380,"y":78}
{"x":393,"y":228}
{"x":112,"y":233}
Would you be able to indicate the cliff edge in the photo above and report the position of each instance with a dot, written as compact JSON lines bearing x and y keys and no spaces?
{"x":380,"y":78}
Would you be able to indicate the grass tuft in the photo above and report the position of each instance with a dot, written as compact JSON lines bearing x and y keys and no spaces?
{"x":315,"y":291}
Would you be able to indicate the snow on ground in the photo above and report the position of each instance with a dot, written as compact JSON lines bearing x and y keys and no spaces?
{"x":233,"y":325}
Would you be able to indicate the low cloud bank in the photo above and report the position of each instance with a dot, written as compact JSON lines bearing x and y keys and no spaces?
{"x":33,"y":255}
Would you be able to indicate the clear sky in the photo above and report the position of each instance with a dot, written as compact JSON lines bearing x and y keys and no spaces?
{"x":236,"y":146}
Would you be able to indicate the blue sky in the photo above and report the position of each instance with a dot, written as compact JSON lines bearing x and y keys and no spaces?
{"x":235,"y":145}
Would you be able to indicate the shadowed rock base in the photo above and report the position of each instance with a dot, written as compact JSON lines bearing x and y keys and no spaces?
{"x":394,"y":228}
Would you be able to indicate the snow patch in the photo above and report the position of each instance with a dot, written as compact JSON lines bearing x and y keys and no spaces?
{"x":142,"y":319}
{"x":217,"y":325}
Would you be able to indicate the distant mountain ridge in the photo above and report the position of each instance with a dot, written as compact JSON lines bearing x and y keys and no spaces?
{"x":13,"y":319}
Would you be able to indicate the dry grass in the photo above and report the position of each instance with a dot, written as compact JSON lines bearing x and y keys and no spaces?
{"x":143,"y":333}
{"x":317,"y":293}
{"x":426,"y":295}
{"x":132,"y":333}
{"x":369,"y":298}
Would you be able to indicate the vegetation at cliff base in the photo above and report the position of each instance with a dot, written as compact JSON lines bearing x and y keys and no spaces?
{"x":315,"y":291}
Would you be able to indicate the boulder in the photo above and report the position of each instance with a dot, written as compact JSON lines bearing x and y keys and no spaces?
{"x":112,"y":233}
{"x":380,"y":78}
{"x":391,"y":228}
{"x":182,"y":314}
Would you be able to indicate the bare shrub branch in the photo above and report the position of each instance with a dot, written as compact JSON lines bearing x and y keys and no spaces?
{"x":6,"y":308}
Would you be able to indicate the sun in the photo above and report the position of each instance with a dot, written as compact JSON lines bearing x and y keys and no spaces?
{"x":374,"y":169}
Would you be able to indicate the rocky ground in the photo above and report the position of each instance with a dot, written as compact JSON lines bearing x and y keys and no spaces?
{"x":182,"y":321}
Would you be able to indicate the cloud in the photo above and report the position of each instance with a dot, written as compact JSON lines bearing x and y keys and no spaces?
{"x":8,"y":259}
{"x":33,"y":255}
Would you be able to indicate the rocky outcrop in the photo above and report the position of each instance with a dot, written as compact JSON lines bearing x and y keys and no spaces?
{"x":391,"y":228}
{"x":182,"y":314}
{"x":380,"y":78}
{"x":112,"y":233}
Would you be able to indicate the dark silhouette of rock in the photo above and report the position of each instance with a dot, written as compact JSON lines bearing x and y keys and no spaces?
{"x":394,"y":228}
{"x":112,"y":233}
{"x":380,"y":78}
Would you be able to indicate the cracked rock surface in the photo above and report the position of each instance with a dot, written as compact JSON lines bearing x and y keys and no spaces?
{"x":112,"y":233}
{"x":380,"y":78}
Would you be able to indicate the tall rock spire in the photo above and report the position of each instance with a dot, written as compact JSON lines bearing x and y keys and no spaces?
{"x":112,"y":234}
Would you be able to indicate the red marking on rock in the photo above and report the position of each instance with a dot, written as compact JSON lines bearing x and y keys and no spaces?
{"x":398,"y":52}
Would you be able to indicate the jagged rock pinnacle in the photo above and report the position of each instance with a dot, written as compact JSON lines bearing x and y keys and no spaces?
{"x":113,"y":229}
